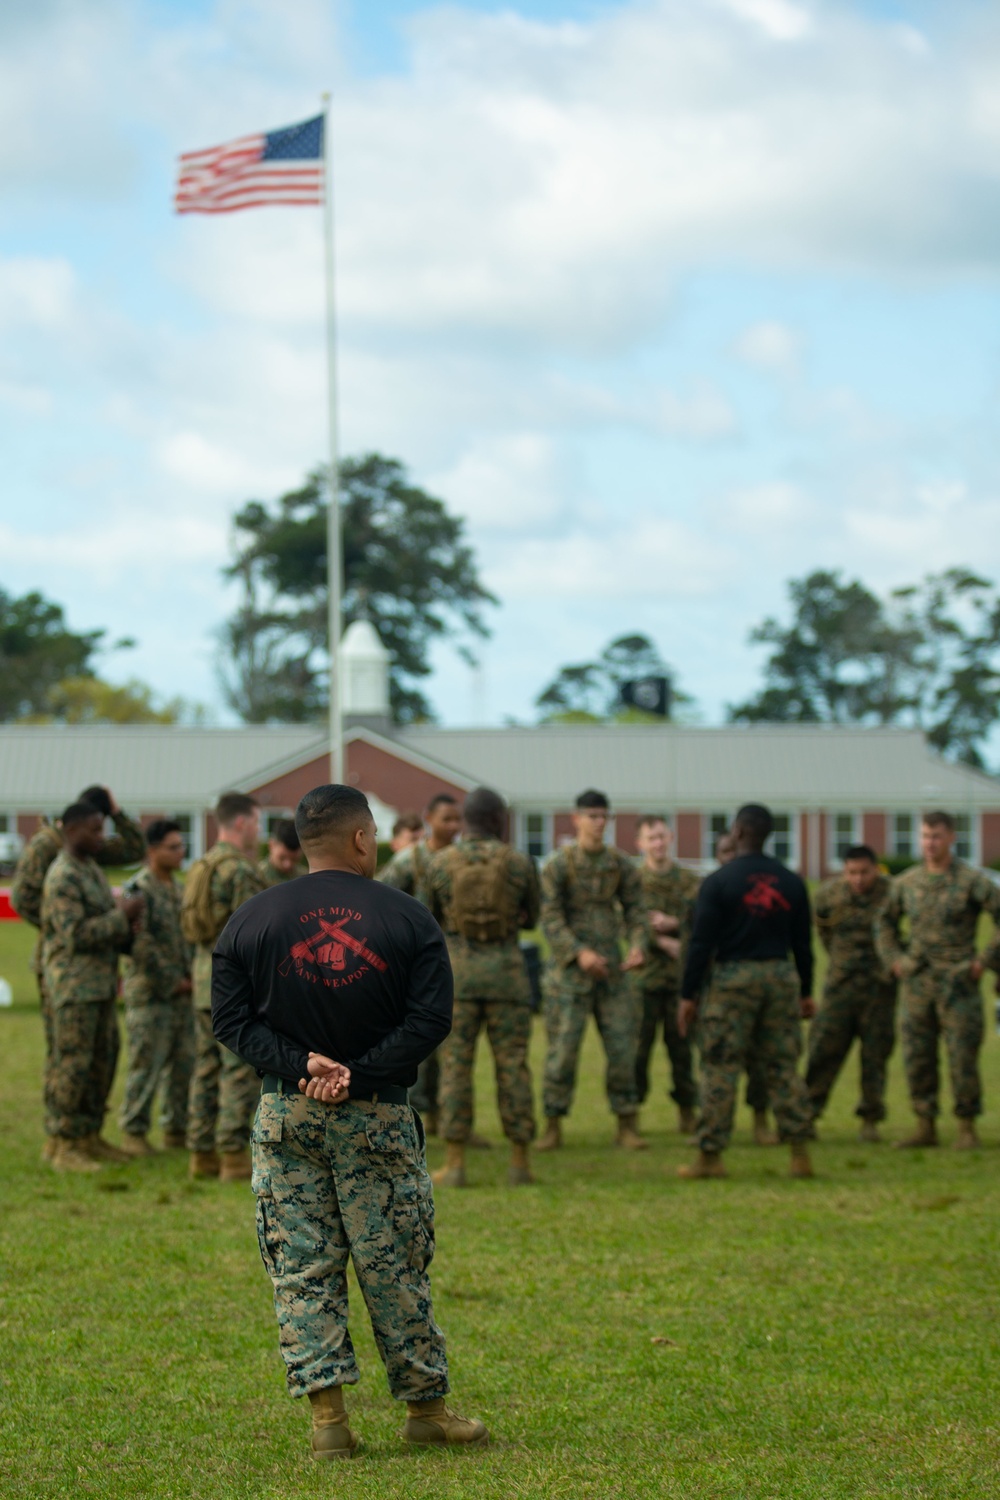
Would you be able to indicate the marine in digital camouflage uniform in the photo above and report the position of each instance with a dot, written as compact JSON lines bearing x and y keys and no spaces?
{"x":408,"y":871}
{"x":283,"y":860}
{"x":591,"y":899}
{"x":859,"y":998}
{"x":942,"y":900}
{"x":125,"y":847}
{"x":492,"y":990}
{"x":224,"y":1090}
{"x":159,"y":1019}
{"x":83,"y":931}
{"x":670,"y":891}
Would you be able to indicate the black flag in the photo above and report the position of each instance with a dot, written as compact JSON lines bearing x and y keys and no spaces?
{"x":651,"y":694}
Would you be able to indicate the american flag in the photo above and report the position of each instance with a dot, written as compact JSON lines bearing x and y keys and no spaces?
{"x":284,"y":166}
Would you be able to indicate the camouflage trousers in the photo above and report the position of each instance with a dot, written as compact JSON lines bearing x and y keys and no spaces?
{"x":424,"y":1093}
{"x":347,"y":1182}
{"x":49,"y":1029}
{"x":615,"y":1009}
{"x":852,"y":1008}
{"x":756,"y":1091}
{"x":508,"y":1030}
{"x":659,"y":1014}
{"x":160,"y":1038}
{"x":84,"y":1056}
{"x":223,"y":1095}
{"x":944,"y":1004}
{"x":751,"y":1005}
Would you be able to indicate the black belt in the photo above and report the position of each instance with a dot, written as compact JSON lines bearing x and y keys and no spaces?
{"x":391,"y":1093}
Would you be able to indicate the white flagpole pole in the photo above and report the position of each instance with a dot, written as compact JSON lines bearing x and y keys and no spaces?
{"x":334,"y":547}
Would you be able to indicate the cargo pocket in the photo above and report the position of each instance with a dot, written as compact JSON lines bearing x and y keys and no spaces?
{"x":413,"y":1219}
{"x":401,"y":1207}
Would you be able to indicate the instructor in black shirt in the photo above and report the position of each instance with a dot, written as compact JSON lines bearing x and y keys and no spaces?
{"x":750,"y":915}
{"x":335,"y":987}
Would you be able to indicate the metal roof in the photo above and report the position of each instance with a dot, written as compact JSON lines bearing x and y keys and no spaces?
{"x":646,"y":767}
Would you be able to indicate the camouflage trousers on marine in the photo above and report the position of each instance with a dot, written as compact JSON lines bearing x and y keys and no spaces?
{"x":424,"y":1095}
{"x":508,"y":1030}
{"x":160,"y":1040}
{"x":659,"y":1014}
{"x":223,"y":1095}
{"x":49,"y":1030}
{"x":347,"y":1182}
{"x":615,"y":1009}
{"x":84,"y":1055}
{"x":756,"y":1090}
{"x":751,"y":1005}
{"x":852,"y":1008}
{"x":942,"y":1003}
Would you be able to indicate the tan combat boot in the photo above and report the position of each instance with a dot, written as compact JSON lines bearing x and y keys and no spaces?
{"x":628,"y":1134}
{"x":72,"y":1156}
{"x":452,"y":1174}
{"x":967,"y":1139}
{"x":234,"y":1166}
{"x":687,"y":1121}
{"x":433,"y":1422}
{"x":102,"y":1150}
{"x":869,"y":1134}
{"x":519,"y":1172}
{"x":924,"y":1135}
{"x":137,"y":1145}
{"x":763,"y":1135}
{"x":552,"y":1138}
{"x":705,"y":1164}
{"x":801,"y":1166}
{"x":331,"y":1436}
{"x":49,"y":1148}
{"x":174,"y":1140}
{"x":204,"y":1164}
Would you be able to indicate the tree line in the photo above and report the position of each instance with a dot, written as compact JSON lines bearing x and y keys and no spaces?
{"x":926,"y":656}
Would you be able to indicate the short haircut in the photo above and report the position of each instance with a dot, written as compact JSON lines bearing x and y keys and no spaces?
{"x":592,"y":798}
{"x":158,"y":831}
{"x":648,"y":819}
{"x":439,"y":799}
{"x":409,"y":821}
{"x":938,"y":819}
{"x":98,"y":797}
{"x":233,"y":805}
{"x":330,"y":812}
{"x":861,"y":851}
{"x":726,"y":836}
{"x":757,"y":821}
{"x":485,"y":811}
{"x":79,"y":812}
{"x":284,"y":833}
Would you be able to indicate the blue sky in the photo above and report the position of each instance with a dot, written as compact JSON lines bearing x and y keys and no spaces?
{"x":672,"y":300}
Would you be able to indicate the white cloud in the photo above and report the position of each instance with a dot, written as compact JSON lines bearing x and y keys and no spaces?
{"x":35,"y":292}
{"x":778,"y":18}
{"x":702,"y":415}
{"x":505,"y":484}
{"x":770,"y":346}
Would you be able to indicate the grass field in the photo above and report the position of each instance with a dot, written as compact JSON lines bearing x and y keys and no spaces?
{"x":622,"y":1333}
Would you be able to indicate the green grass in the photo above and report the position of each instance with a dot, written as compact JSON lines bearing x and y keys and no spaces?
{"x":833,"y":1338}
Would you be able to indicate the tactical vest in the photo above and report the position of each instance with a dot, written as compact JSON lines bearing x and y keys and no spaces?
{"x":481,"y":907}
{"x":202,"y":920}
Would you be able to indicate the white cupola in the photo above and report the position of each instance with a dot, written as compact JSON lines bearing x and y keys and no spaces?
{"x":364,"y":671}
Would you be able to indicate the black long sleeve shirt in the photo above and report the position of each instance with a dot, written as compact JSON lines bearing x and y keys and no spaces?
{"x":338,"y":964}
{"x":752,"y":908}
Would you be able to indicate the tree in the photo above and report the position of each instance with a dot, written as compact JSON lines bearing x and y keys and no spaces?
{"x":37,"y":651}
{"x":590,"y":692}
{"x":928,"y":656}
{"x":407,"y":567}
{"x":90,"y":700}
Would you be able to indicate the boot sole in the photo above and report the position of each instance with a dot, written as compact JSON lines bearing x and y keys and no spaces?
{"x":442,"y":1442}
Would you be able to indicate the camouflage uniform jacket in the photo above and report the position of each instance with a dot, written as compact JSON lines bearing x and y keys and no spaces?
{"x":161,"y":955}
{"x":943,"y":911}
{"x":82,"y":932}
{"x":674,"y":892}
{"x":408,"y":870}
{"x":272,"y":876}
{"x":845,"y":922}
{"x":486,"y":971}
{"x":588,"y":900}
{"x":126,"y":847}
{"x":235,"y":878}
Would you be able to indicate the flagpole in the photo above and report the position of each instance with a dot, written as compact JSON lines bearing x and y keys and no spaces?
{"x":334,"y":546}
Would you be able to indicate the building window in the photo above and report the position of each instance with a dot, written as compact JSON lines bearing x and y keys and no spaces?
{"x":844,"y":831}
{"x":903,"y":835}
{"x":535,"y":834}
{"x":781,"y":844}
{"x":964,"y":842}
{"x":272,"y":820}
{"x":4,"y":823}
{"x":714,"y":824}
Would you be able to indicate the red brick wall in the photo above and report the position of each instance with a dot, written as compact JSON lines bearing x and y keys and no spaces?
{"x":824,"y":846}
{"x":626,"y":828}
{"x":27,"y":825}
{"x":875,"y":831}
{"x":990,"y":826}
{"x":688,"y":835}
{"x":804,"y":846}
{"x":288,"y":790}
{"x":399,"y":784}
{"x":562,"y":829}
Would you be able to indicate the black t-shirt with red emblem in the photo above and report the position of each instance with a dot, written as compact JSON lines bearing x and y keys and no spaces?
{"x":752,"y":908}
{"x":338,"y":964}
